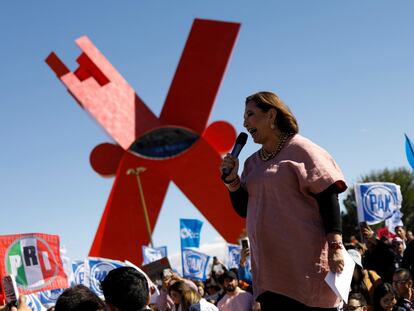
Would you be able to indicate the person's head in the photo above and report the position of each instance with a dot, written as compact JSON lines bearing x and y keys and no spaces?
{"x":230,"y":282}
{"x":356,"y":302}
{"x":384,"y":297}
{"x":183,"y":294}
{"x":398,"y":245}
{"x":79,"y":298}
{"x":402,"y":282}
{"x":212,"y":286}
{"x":409,"y":235}
{"x":126,"y":289}
{"x":200,"y":287}
{"x":400,"y":231}
{"x":266,"y":114}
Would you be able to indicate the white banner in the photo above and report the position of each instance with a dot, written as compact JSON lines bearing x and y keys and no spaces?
{"x":194,"y":264}
{"x":377,"y":201}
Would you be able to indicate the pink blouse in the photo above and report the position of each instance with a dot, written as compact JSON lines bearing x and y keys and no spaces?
{"x":287,"y":238}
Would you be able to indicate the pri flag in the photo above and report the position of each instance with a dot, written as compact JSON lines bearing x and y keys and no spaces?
{"x":190,"y":233}
{"x":152,"y":254}
{"x":34,"y":260}
{"x":194,"y":264}
{"x":377,"y":201}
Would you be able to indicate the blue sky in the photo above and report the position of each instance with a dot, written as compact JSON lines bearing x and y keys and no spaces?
{"x":345,"y":68}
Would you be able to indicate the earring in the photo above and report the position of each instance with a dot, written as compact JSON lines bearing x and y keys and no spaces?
{"x":272,"y":126}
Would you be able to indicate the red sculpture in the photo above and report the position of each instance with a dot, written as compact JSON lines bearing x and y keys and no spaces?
{"x":178,"y":146}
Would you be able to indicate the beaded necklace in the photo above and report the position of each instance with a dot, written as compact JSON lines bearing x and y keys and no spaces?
{"x":266,"y":156}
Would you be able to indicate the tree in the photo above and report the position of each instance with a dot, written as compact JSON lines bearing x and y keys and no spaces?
{"x":400,"y":176}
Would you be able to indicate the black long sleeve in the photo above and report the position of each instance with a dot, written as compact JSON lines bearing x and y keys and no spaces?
{"x":329,"y":209}
{"x":239,"y":200}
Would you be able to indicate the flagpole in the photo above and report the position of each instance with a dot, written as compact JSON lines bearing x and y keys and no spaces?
{"x":136,"y":172}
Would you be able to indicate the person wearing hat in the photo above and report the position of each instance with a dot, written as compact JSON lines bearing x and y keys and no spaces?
{"x":235,"y":298}
{"x":363,"y":281}
{"x":398,"y":249}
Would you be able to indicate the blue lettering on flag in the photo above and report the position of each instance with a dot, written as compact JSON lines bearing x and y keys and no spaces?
{"x":48,"y":298}
{"x":98,"y":270}
{"x":78,"y":268}
{"x":194,"y":264}
{"x":377,"y":202}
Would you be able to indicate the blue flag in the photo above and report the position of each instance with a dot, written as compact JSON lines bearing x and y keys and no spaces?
{"x":394,"y":221}
{"x":78,"y":267}
{"x":234,"y":255}
{"x":152,"y":254}
{"x":34,"y":303}
{"x":194,"y":264}
{"x":48,"y":298}
{"x":409,"y":151}
{"x":96,"y":269}
{"x":190,"y":233}
{"x":377,"y":201}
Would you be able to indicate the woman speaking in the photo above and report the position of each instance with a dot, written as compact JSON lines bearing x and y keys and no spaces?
{"x":288,"y":192}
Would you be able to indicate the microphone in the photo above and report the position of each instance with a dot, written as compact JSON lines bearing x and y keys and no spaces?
{"x":238,"y":146}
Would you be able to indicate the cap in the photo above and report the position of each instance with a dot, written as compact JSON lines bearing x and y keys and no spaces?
{"x":356,"y":256}
{"x":229,"y":274}
{"x":397,"y":239}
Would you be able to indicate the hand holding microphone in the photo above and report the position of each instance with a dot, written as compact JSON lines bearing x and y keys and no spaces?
{"x":230,"y":164}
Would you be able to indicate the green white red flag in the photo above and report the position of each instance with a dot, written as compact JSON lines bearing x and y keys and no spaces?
{"x":34,"y":260}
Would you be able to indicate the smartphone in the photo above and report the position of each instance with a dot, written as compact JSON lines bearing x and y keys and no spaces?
{"x":10,"y":290}
{"x":244,"y":243}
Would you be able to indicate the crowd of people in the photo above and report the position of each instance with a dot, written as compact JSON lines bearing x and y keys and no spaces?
{"x":382,"y":280}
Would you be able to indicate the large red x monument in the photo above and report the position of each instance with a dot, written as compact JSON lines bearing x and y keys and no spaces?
{"x":177,"y":146}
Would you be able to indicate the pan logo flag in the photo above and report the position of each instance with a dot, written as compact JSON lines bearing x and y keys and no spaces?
{"x":34,"y":260}
{"x":151,"y":254}
{"x":377,"y":201}
{"x":234,"y":255}
{"x":194,"y":264}
{"x":96,"y":271}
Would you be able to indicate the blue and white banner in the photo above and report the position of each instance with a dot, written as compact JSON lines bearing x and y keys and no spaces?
{"x":34,"y":303}
{"x":48,"y":298}
{"x":151,"y":254}
{"x":190,"y":232}
{"x":394,"y":221}
{"x":78,"y":267}
{"x":234,"y":255}
{"x":377,"y":201}
{"x":96,"y":269}
{"x":194,"y":264}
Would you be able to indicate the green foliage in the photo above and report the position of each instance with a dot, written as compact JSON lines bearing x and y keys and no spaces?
{"x":402,"y":177}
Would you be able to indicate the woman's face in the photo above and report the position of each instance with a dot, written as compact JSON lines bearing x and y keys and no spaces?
{"x":388,"y":302}
{"x":175,"y":296}
{"x":257,"y":122}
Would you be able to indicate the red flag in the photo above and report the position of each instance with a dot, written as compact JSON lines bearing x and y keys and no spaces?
{"x":34,"y":259}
